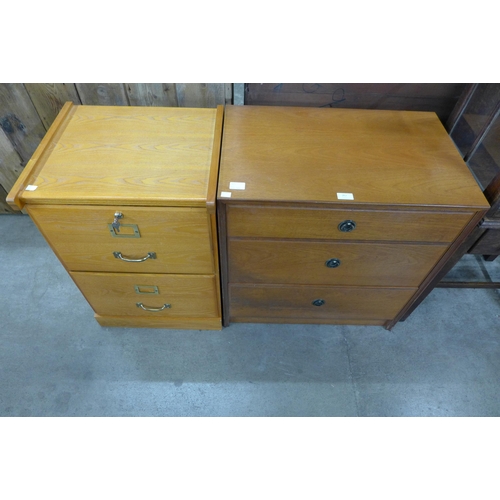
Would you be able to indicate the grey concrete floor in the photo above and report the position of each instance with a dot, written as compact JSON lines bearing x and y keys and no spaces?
{"x":55,"y":360}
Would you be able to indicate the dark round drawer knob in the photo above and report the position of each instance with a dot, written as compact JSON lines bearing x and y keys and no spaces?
{"x":332,"y":263}
{"x":318,"y":302}
{"x":347,"y":226}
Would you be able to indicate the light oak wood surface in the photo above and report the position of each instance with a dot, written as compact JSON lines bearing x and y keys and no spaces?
{"x":304,"y":262}
{"x":157,"y":322}
{"x":114,"y":294}
{"x":133,"y":155}
{"x":288,"y":222}
{"x":80,"y":236}
{"x":311,"y":154}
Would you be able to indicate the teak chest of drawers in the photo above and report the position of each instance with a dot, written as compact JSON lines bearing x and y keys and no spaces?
{"x":125,"y":196}
{"x":337,"y":215}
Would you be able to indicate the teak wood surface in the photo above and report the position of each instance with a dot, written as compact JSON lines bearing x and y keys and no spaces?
{"x":303,"y":171}
{"x":304,"y":262}
{"x":310,"y":154}
{"x":322,"y":223}
{"x":290,"y":304}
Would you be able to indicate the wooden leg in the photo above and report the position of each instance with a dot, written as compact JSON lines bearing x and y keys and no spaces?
{"x":489,"y":258}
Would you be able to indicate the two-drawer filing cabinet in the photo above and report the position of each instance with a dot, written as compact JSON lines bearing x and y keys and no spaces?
{"x":125,"y":196}
{"x":337,"y":215}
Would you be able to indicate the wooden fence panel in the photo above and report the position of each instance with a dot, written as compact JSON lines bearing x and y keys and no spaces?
{"x":11,"y":164}
{"x":49,"y":98}
{"x":19,"y":119}
{"x":4,"y":206}
{"x":438,"y":97}
{"x":200,"y":95}
{"x":151,"y":94}
{"x":104,"y":94}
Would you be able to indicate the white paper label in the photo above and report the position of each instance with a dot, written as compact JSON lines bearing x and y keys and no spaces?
{"x":345,"y":196}
{"x":237,"y":185}
{"x":225,"y":194}
{"x":30,"y":187}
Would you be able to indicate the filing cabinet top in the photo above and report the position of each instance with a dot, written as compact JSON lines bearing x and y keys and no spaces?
{"x":127,"y":155}
{"x":345,"y":156}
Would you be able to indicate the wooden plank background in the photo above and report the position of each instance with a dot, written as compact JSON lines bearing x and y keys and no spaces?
{"x":438,"y":97}
{"x":28,"y":109}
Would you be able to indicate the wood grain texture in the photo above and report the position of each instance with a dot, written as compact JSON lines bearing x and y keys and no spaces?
{"x":129,"y":155}
{"x":214,"y":164}
{"x":49,"y":98}
{"x":155,"y":322}
{"x":11,"y":164}
{"x":294,"y":303}
{"x":151,"y":94}
{"x":304,"y":262}
{"x":40,"y":155}
{"x":307,"y":155}
{"x":488,"y":243}
{"x":115,"y":295}
{"x":318,"y":223}
{"x":223,"y":260}
{"x":105,"y":94}
{"x":228,"y":90}
{"x":215,"y":253}
{"x":437,"y":97}
{"x":5,"y":208}
{"x":19,"y":119}
{"x":80,"y":236}
{"x":207,"y":95}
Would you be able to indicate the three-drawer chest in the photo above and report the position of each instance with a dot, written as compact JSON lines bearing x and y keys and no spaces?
{"x":125,"y":196}
{"x":336,"y":215}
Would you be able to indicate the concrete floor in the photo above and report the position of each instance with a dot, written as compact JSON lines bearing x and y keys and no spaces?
{"x":55,"y":360}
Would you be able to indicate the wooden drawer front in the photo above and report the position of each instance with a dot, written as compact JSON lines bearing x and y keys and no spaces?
{"x":297,"y":302}
{"x":112,"y":294}
{"x":375,"y":264}
{"x":264,"y":222}
{"x":179,"y":237}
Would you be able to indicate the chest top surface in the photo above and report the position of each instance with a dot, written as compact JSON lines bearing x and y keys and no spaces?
{"x":291,"y":154}
{"x":121,"y":154}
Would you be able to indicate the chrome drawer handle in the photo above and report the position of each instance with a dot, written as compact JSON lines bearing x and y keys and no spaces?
{"x":150,"y":255}
{"x":153,"y":309}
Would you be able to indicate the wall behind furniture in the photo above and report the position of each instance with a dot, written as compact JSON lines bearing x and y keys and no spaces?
{"x":438,"y":97}
{"x":28,"y":109}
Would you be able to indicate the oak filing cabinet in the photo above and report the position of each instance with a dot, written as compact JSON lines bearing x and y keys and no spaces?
{"x":336,"y":215}
{"x":125,"y":196}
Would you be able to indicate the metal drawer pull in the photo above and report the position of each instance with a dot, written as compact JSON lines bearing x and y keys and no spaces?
{"x":153,"y":309}
{"x":318,"y":302}
{"x":150,"y":255}
{"x":114,"y":228}
{"x":332,"y":263}
{"x":147,"y":289}
{"x":347,"y":226}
